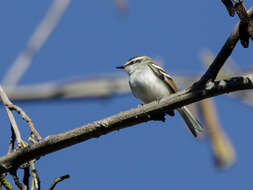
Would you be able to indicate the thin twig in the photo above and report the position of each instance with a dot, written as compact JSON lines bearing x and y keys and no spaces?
{"x":31,"y":138}
{"x":230,"y":7}
{"x":26,"y":118}
{"x":16,"y":179}
{"x":244,"y":23}
{"x":14,"y":125}
{"x":37,"y":40}
{"x":26,"y":178}
{"x":12,"y":141}
{"x":35,"y":175}
{"x":222,"y":56}
{"x":123,"y":120}
{"x":5,"y":182}
{"x":10,"y":106}
{"x":241,"y":11}
{"x":250,"y":30}
{"x":57,"y":180}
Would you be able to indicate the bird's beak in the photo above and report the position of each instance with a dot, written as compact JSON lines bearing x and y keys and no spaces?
{"x":120,"y":67}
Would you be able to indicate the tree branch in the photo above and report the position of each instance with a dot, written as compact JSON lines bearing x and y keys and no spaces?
{"x":13,"y":122}
{"x":223,"y":149}
{"x":57,"y":180}
{"x":123,"y":120}
{"x":96,"y":87}
{"x":26,"y":118}
{"x":222,"y":56}
{"x":244,"y":23}
{"x":230,"y":7}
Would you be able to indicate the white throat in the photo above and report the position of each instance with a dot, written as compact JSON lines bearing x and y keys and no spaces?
{"x":145,"y":85}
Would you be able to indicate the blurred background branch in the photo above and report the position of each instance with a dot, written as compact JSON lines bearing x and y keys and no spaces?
{"x":99,"y":86}
{"x":222,"y":148}
{"x":36,"y":41}
{"x":121,"y":5}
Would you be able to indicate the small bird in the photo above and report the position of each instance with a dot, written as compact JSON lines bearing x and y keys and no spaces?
{"x":150,"y":82}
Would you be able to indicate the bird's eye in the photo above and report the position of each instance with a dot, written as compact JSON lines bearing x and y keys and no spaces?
{"x":132,"y":62}
{"x":137,"y":61}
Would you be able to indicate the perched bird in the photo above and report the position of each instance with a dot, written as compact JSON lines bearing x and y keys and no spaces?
{"x":150,"y":82}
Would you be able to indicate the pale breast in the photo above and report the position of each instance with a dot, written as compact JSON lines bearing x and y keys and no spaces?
{"x":146,"y":86}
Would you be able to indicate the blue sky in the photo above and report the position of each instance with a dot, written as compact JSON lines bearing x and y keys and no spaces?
{"x":92,"y":38}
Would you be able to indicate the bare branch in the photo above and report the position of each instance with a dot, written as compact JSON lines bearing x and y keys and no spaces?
{"x":14,"y":125}
{"x":244,"y":23}
{"x":10,"y":106}
{"x":57,"y":180}
{"x":35,"y":175}
{"x":16,"y":179}
{"x":12,"y":141}
{"x":222,"y":56}
{"x":26,"y":178}
{"x":230,"y":7}
{"x":123,"y":120}
{"x":5,"y":182}
{"x":223,"y":150}
{"x":26,"y":118}
{"x":241,"y":11}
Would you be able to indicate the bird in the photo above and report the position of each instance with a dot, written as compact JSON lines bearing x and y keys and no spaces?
{"x":150,"y":82}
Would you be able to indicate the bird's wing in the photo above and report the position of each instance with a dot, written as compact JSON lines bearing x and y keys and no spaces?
{"x":161,"y":73}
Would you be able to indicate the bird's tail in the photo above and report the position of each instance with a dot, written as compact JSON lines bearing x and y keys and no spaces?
{"x":192,"y":123}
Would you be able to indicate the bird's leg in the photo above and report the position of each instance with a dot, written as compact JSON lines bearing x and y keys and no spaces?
{"x":169,"y":112}
{"x":158,"y":117}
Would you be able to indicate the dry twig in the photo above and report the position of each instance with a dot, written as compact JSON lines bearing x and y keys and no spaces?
{"x":222,"y":56}
{"x":35,"y":176}
{"x":12,"y":141}
{"x":10,"y":106}
{"x":16,"y":179}
{"x":244,"y":23}
{"x":26,"y":118}
{"x":230,"y":7}
{"x":26,"y":178}
{"x":14,"y":125}
{"x":57,"y":180}
{"x":5,"y":182}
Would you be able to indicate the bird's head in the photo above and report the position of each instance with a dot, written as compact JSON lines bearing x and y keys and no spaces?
{"x":136,"y":63}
